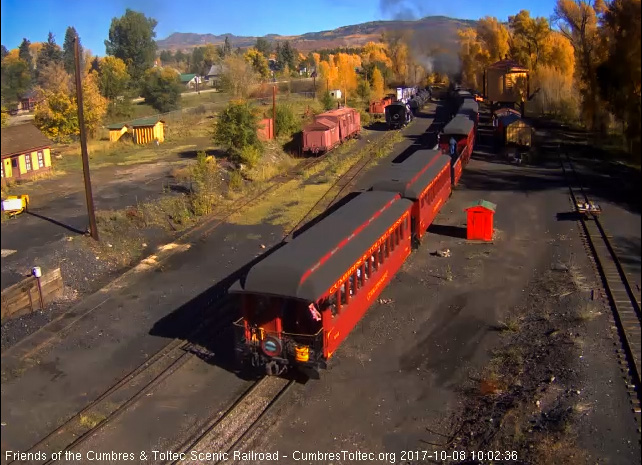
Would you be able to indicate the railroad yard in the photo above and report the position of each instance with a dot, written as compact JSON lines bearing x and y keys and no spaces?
{"x":508,"y":347}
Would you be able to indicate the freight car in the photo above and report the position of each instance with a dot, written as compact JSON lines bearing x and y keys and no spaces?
{"x":378,"y":107}
{"x":330,"y":129}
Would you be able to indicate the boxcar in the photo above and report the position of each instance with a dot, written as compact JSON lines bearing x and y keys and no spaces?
{"x":463,"y":130}
{"x":320,"y":136}
{"x":348,"y":121}
{"x":423,"y":178}
{"x":302,"y":301}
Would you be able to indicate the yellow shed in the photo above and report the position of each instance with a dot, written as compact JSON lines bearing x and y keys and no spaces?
{"x":116,"y":131}
{"x":506,"y":81}
{"x":25,"y":152}
{"x":148,"y":130}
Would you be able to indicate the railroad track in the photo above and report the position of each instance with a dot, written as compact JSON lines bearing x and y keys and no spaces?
{"x":227,"y":432}
{"x":143,"y":379}
{"x":335,"y":190}
{"x":274,"y":184}
{"x":128,"y":390}
{"x":622,"y":299}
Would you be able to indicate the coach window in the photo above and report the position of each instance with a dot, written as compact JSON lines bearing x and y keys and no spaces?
{"x":363,"y":275}
{"x":337,"y":301}
{"x":380,"y":258}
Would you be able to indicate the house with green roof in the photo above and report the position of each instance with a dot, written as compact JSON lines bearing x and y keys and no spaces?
{"x":190,"y":80}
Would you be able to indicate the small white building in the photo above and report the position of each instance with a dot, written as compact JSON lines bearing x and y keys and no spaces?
{"x":335,"y":94}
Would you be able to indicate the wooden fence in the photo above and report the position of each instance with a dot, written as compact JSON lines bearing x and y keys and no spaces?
{"x":31,"y":294}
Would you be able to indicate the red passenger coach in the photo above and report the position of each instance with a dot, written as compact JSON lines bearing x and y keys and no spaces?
{"x":463,"y":130}
{"x":470,"y":108}
{"x":302,"y":301}
{"x":423,"y":178}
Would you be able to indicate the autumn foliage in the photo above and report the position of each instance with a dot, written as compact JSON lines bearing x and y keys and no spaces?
{"x":588,"y":69}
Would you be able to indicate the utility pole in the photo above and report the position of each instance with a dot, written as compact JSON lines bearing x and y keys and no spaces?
{"x":274,"y":110}
{"x":83,"y":146}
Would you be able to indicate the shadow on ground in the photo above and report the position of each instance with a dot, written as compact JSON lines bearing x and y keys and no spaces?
{"x":446,"y":230}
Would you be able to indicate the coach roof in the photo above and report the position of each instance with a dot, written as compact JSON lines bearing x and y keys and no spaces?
{"x":311,"y":263}
{"x":470,"y":105}
{"x":459,"y":125}
{"x":411,"y":183}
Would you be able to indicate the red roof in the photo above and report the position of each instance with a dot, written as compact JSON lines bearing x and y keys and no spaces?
{"x":508,"y":65}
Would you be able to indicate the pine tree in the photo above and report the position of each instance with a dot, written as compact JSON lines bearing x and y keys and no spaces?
{"x":68,"y":50}
{"x":25,"y":54}
{"x":49,"y":55}
{"x":227,"y":47}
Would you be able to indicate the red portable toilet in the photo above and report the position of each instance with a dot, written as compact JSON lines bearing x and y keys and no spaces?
{"x":480,"y":220}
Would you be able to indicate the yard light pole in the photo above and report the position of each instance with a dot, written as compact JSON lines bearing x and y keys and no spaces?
{"x":83,"y":145}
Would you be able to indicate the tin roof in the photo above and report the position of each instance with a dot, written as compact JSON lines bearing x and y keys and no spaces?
{"x":312,"y":262}
{"x":22,"y":138}
{"x":509,"y":118}
{"x":505,"y":111}
{"x":482,"y":203}
{"x":116,"y":126}
{"x":145,"y":122}
{"x":187,"y":77}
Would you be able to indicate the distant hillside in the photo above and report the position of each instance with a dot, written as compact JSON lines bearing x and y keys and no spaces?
{"x":434,"y":35}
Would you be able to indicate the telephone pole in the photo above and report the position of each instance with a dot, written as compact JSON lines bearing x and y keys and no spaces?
{"x":274,"y":110}
{"x":83,"y":146}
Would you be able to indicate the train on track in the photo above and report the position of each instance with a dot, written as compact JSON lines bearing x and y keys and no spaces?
{"x":401,"y":112}
{"x":301,"y":301}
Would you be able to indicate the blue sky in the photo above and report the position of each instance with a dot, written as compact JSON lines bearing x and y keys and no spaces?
{"x":33,"y":19}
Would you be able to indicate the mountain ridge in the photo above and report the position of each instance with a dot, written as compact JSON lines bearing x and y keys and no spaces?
{"x":346,"y":36}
